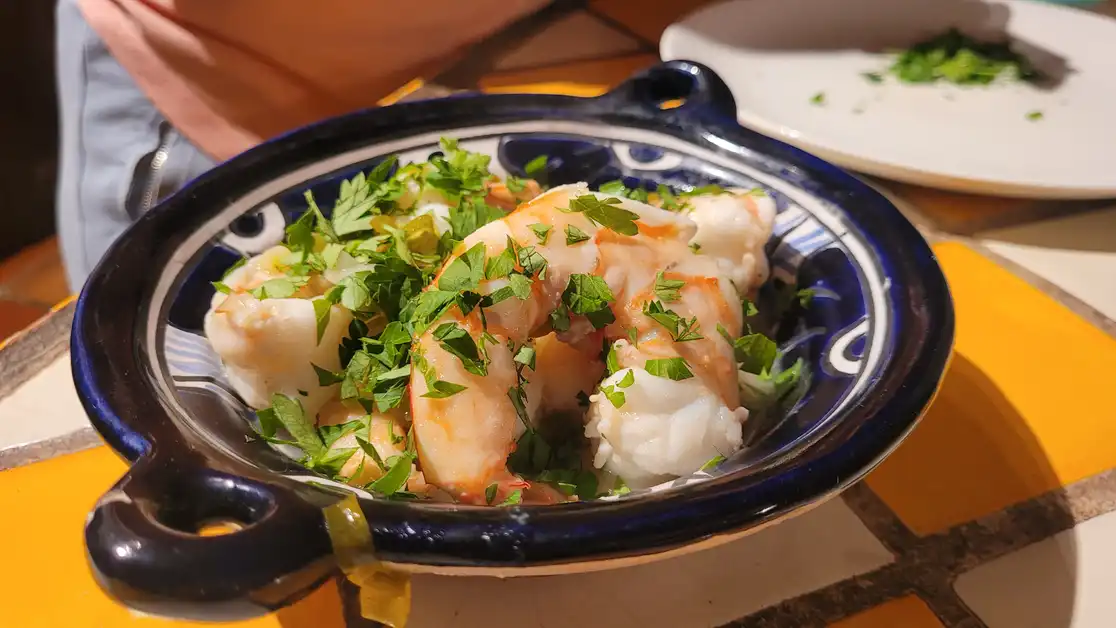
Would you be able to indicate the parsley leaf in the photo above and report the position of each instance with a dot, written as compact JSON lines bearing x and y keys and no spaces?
{"x":575,"y":235}
{"x":615,"y":397}
{"x":396,"y":477}
{"x":512,"y":499}
{"x":667,"y":199}
{"x":627,"y":380}
{"x":501,"y":265}
{"x":326,"y":377}
{"x":755,"y":352}
{"x":605,"y":212}
{"x":300,"y":233}
{"x":220,"y":286}
{"x":370,"y":450}
{"x":526,"y":356}
{"x":669,"y":290}
{"x":278,"y":288}
{"x":331,"y":433}
{"x":465,"y":271}
{"x":533,"y":263}
{"x":438,"y":388}
{"x":518,"y":286}
{"x":322,"y":309}
{"x":671,"y":368}
{"x":429,"y":306}
{"x":290,"y":414}
{"x":331,"y":461}
{"x":560,"y":318}
{"x":585,"y":294}
{"x":681,"y":330}
{"x":455,"y":340}
{"x":805,"y":296}
{"x":536,"y":166}
{"x":458,"y":172}
{"x":612,"y":363}
{"x":470,"y":215}
{"x":541,"y":231}
{"x":615,"y":187}
{"x":712,"y":463}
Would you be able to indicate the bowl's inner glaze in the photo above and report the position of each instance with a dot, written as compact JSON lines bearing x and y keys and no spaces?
{"x":843,"y":336}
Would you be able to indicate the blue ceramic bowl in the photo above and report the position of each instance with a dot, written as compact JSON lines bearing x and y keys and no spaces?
{"x":877,"y":338}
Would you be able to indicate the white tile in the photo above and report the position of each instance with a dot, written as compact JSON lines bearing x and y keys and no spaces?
{"x":575,"y":37}
{"x":1066,"y":581}
{"x":43,"y":407}
{"x":1077,"y":253}
{"x":706,"y":588}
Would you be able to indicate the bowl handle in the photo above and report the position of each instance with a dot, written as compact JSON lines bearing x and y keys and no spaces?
{"x":698,"y":87}
{"x":148,"y":545}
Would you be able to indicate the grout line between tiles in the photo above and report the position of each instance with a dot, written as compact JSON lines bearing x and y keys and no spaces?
{"x":20,"y":455}
{"x":927,"y":566}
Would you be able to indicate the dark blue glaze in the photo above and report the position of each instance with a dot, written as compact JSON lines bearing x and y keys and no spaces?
{"x":877,"y":338}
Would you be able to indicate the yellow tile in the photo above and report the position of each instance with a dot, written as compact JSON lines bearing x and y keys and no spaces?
{"x":587,"y":78}
{"x":905,"y":612}
{"x":45,"y":506}
{"x":1026,"y":406}
{"x":648,"y":18}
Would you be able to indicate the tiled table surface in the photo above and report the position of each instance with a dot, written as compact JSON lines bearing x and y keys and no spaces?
{"x":999,"y":510}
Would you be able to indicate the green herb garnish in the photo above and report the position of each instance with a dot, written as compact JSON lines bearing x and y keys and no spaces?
{"x":957,"y":58}
{"x":671,"y":368}
{"x":575,"y":235}
{"x":605,"y":212}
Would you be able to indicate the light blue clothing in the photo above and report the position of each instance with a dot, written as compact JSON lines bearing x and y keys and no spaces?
{"x":118,"y":155}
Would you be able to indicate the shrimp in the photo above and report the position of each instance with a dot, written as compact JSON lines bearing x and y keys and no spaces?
{"x":269,"y":345}
{"x":465,"y":416}
{"x":734,"y":227}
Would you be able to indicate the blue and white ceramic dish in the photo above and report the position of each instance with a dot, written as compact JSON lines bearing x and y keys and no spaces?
{"x":877,"y":338}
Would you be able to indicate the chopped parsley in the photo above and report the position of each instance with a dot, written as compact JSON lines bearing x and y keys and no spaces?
{"x":670,"y":368}
{"x":818,"y":98}
{"x":755,"y":353}
{"x":617,"y":188}
{"x":575,"y":235}
{"x":712,"y":463}
{"x":957,"y":58}
{"x":1034,"y":116}
{"x":465,"y":271}
{"x":536,"y":166}
{"x":615,"y":397}
{"x":681,"y":330}
{"x":606,"y":213}
{"x":669,"y":290}
{"x":541,"y":231}
{"x":456,"y":341}
{"x":589,"y":296}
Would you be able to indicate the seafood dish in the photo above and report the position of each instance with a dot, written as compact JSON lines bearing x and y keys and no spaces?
{"x":443,"y":333}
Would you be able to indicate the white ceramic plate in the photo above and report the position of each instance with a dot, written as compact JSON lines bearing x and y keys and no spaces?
{"x":776,"y":55}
